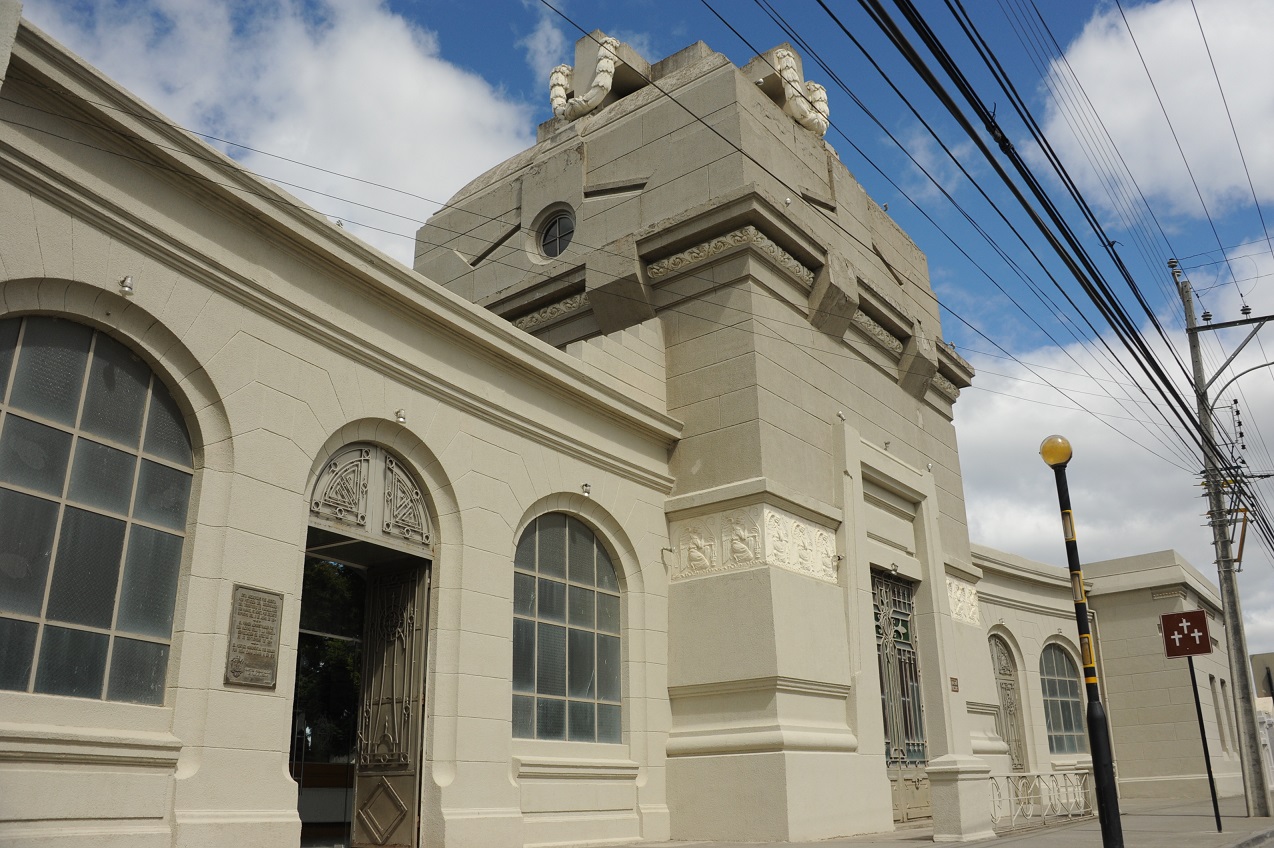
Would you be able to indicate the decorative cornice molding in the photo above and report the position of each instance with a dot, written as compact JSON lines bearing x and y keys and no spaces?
{"x":945,"y":387}
{"x":877,"y":333}
{"x":748,"y":235}
{"x":574,"y":303}
{"x":749,"y":537}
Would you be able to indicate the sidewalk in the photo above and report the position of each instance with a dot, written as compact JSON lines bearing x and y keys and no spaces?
{"x":1146,"y":824}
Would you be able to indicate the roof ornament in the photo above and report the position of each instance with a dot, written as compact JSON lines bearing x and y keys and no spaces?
{"x":562,"y":77}
{"x":805,"y":102}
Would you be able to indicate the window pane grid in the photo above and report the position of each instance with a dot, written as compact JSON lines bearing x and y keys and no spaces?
{"x":1063,"y":709}
{"x":577,"y":696}
{"x":80,"y":610}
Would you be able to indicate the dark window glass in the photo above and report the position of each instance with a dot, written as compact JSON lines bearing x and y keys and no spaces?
{"x":523,"y":717}
{"x":166,"y":435}
{"x":582,"y":723}
{"x":116,"y":395}
{"x":550,"y":719}
{"x":50,"y":371}
{"x":608,"y":723}
{"x":27,"y":525}
{"x":150,"y":584}
{"x":582,"y":665}
{"x":523,"y":655}
{"x":550,"y":655}
{"x":138,"y":670}
{"x":524,"y":594}
{"x":86,"y":570}
{"x":552,"y":600}
{"x":34,"y":456}
{"x":102,"y":477}
{"x":580,"y":553}
{"x":557,"y":234}
{"x":607,"y":668}
{"x":162,"y":495}
{"x":17,"y":651}
{"x":72,"y":662}
{"x":551,"y":530}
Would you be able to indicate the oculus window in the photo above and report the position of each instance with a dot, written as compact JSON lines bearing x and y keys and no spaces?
{"x":1063,"y":710}
{"x":556,"y":234}
{"x":566,"y":650}
{"x":95,"y":472}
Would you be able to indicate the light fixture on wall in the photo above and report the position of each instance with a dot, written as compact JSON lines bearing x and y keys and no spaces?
{"x":126,"y":286}
{"x":401,"y":416}
{"x":587,"y":490}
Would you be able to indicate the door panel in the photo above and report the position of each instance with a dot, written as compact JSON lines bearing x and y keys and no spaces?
{"x":387,"y":778}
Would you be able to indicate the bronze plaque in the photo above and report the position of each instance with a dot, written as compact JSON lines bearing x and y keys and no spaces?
{"x":252,"y":658}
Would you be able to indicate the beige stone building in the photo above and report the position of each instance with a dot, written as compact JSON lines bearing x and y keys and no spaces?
{"x":634,"y":511}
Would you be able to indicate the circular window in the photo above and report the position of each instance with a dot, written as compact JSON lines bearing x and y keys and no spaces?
{"x":556,"y":234}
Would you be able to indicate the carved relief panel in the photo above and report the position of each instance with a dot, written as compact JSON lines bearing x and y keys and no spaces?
{"x":963,"y":597}
{"x":366,"y":489}
{"x":750,"y":536}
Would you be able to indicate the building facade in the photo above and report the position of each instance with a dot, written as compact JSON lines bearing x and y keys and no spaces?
{"x":634,"y":511}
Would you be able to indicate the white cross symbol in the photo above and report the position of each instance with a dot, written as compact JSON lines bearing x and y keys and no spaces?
{"x":1185,"y":625}
{"x":1176,"y":638}
{"x":1196,"y":634}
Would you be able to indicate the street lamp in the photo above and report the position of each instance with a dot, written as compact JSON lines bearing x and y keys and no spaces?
{"x":1056,"y":451}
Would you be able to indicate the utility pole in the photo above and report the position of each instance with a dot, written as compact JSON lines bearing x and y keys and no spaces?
{"x":1258,"y":796}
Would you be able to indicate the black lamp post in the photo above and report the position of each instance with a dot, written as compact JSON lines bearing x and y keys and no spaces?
{"x":1056,"y":451}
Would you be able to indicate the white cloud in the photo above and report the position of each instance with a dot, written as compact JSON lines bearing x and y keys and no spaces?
{"x":1110,"y":70}
{"x":1127,"y":500}
{"x":546,"y":45}
{"x":347,"y":86}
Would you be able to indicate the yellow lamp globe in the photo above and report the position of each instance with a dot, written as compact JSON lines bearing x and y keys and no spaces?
{"x":1056,"y":451}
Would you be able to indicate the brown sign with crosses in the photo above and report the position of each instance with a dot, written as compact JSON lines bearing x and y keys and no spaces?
{"x":1185,"y":634}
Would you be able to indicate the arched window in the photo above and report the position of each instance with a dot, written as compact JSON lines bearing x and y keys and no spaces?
{"x":95,"y":471}
{"x":1063,"y":710}
{"x":566,"y":657}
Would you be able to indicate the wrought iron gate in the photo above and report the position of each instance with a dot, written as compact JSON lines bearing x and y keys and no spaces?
{"x":906,"y":747}
{"x":1010,"y":718}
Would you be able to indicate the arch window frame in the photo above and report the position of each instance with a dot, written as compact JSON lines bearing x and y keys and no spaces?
{"x":1063,"y":704}
{"x":96,"y":473}
{"x":567,"y":634}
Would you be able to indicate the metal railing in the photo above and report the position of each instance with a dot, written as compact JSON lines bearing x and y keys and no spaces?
{"x":1034,"y":799}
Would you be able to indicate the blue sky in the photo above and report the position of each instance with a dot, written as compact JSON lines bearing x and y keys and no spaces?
{"x":423,"y":95}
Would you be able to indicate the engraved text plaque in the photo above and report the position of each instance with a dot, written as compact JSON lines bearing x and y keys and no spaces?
{"x":253,"y":655}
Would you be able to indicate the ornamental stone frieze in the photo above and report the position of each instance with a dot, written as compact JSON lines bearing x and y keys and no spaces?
{"x":753,"y":536}
{"x":748,"y":235}
{"x":963,"y":597}
{"x":877,"y":333}
{"x":574,"y":303}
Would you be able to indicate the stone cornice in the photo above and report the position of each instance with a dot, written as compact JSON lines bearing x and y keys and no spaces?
{"x":670,"y":266}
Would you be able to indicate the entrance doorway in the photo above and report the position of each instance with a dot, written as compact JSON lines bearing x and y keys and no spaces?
{"x":356,"y":740}
{"x":358,"y":719}
{"x":906,"y":746}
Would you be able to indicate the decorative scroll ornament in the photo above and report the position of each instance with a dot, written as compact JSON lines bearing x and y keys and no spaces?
{"x":742,"y":236}
{"x":805,"y":102}
{"x":964,"y":601}
{"x":945,"y":387}
{"x":750,"y":537}
{"x":363,"y":487}
{"x":561,"y":78}
{"x":574,"y":303}
{"x":341,"y":490}
{"x":877,"y":333}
